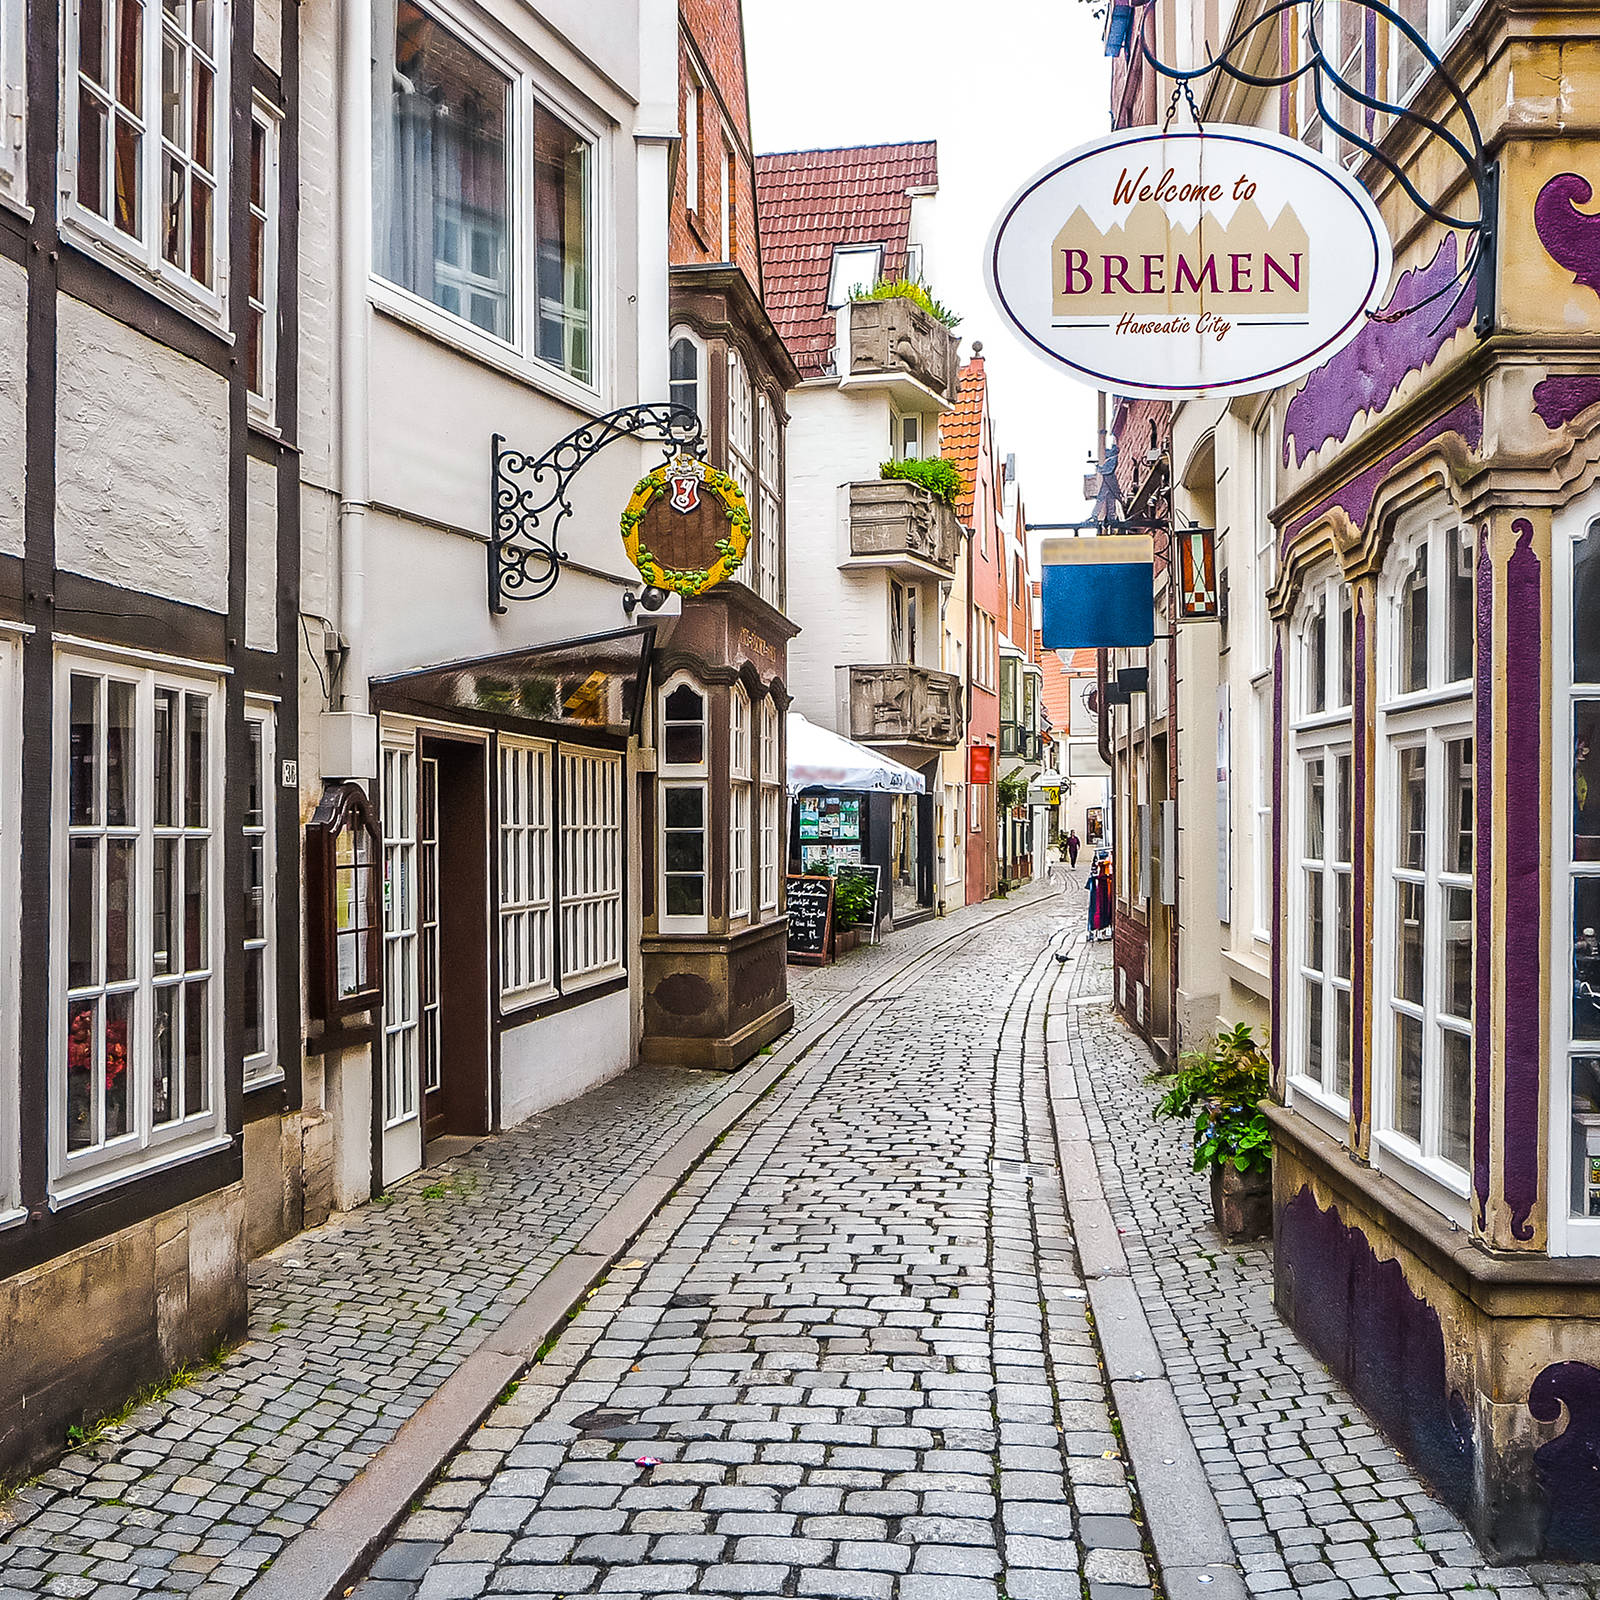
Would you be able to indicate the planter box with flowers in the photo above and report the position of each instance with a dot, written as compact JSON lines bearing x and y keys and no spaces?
{"x":1222,"y":1088}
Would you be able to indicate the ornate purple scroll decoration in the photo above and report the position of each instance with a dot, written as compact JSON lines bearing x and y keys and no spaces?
{"x":1568,"y":1466}
{"x":1482,"y":891}
{"x":1558,"y":400}
{"x":1365,"y":374}
{"x":1571,"y":238}
{"x":1524,"y":910}
{"x":1359,"y":1064}
{"x":1277,"y":855}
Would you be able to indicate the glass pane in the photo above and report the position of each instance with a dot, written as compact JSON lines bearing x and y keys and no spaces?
{"x":1314,"y":1063}
{"x":1458,"y":806}
{"x":83,"y":913}
{"x":1343,"y":933}
{"x":164,"y":911}
{"x":1413,"y":806}
{"x":254,"y":816}
{"x":1347,"y":648}
{"x":1316,"y":658}
{"x":686,"y":896}
{"x":119,"y":909}
{"x":684,"y":807}
{"x":1408,"y":1076}
{"x":1341,"y":809}
{"x":1586,"y":779}
{"x":1455,"y":1102}
{"x":202,"y":101}
{"x":561,"y":242}
{"x":1586,"y":958}
{"x":1586,"y":607}
{"x":1586,"y":1136}
{"x":130,"y":55}
{"x":174,"y":81}
{"x":172,"y":195}
{"x":119,"y":1101}
{"x":685,"y":744}
{"x":1314,"y":893}
{"x":82,"y":1050}
{"x":439,"y":192}
{"x":254,"y":1002}
{"x":200,"y":207}
{"x":83,"y":805}
{"x":255,"y":889}
{"x":92,"y":126}
{"x":1459,"y":543}
{"x":1457,"y":997}
{"x":164,"y":1105}
{"x":166,"y":754}
{"x":684,"y":705}
{"x":1341,"y":1042}
{"x":196,"y":1091}
{"x":92,"y":41}
{"x":686,"y":852}
{"x":1314,"y":810}
{"x":1414,"y":626}
{"x":196,"y":949}
{"x":128,"y":171}
{"x":195,"y":712}
{"x":120,"y":793}
{"x":1409,"y":942}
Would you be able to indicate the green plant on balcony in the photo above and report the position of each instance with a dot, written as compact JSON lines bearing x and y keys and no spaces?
{"x":1012,"y":790}
{"x":908,"y":289}
{"x":938,"y":476}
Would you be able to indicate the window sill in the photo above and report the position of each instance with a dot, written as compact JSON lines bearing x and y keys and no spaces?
{"x":64,"y":1194}
{"x":552,"y":1004}
{"x":1327,"y":1111}
{"x":1429,"y":699}
{"x":10,"y":1218}
{"x":428,"y":320}
{"x":264,"y":1080}
{"x":1436,"y":1183}
{"x":198,"y":307}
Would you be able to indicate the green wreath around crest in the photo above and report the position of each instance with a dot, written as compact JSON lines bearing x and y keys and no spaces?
{"x":730,"y":548}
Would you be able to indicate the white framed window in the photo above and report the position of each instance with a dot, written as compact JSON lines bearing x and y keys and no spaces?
{"x":1264,"y":467}
{"x":136,"y":991}
{"x":1321,"y":913}
{"x":527,"y":928}
{"x":13,"y":97}
{"x":1261,"y":806}
{"x":1424,"y":926}
{"x":855,"y":266}
{"x":146,"y":137}
{"x":483,"y":195}
{"x":1438,"y":21}
{"x":742,"y":457}
{"x":261,"y":337}
{"x":691,"y":141}
{"x":907,"y":441}
{"x":10,"y":918}
{"x":402,"y":932}
{"x":261,"y":1063}
{"x":770,"y":564}
{"x":739,"y":802}
{"x":686,"y":365}
{"x":1575,"y":897}
{"x":772,"y":787}
{"x":1312,"y":22}
{"x":681,"y":787}
{"x":591,"y":866}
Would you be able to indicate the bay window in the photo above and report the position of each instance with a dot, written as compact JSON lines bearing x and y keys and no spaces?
{"x":772,"y":785}
{"x":1322,"y":929}
{"x":261,"y":1065}
{"x":683,"y":772}
{"x":741,"y":457}
{"x":769,"y":566}
{"x":1424,"y":922}
{"x":686,"y":360}
{"x":136,"y":990}
{"x":146,"y":137}
{"x":526,"y":924}
{"x":591,"y":884}
{"x":10,"y":914}
{"x":467,"y":164}
{"x":739,"y":803}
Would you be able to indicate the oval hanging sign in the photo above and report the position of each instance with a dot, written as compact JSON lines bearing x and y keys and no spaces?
{"x":687,"y":526}
{"x":1223,"y":260}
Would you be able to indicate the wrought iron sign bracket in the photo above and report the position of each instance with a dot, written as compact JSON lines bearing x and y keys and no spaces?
{"x":530,"y":493}
{"x":1477,"y":262}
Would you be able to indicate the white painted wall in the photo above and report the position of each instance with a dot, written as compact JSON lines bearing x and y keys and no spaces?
{"x":261,"y":557}
{"x":13,"y":404}
{"x":563,"y":1056}
{"x":141,"y":462}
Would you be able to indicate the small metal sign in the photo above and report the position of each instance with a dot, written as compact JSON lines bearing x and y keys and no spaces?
{"x":1197,"y":574}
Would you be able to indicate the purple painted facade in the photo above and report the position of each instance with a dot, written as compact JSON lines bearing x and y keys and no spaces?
{"x":1360,"y":1064}
{"x":1484,"y":919}
{"x":1365,"y":374}
{"x":1356,"y":496}
{"x":1568,"y":1467}
{"x":1571,"y":238}
{"x":1524,"y":852}
{"x":1556,"y":401}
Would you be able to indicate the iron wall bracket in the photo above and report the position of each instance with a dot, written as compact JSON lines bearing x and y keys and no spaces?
{"x":529,"y":493}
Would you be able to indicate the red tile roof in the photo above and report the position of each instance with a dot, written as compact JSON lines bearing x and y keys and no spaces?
{"x":961,"y":433}
{"x":808,"y":201}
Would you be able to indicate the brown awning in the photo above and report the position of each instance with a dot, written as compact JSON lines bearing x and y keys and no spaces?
{"x":595,"y":684}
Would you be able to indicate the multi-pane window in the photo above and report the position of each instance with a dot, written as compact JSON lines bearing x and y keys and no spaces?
{"x":13,"y":99}
{"x":1437,"y":21}
{"x":260,"y":902}
{"x":739,"y":803}
{"x":138,"y":1002}
{"x":1577,"y":901}
{"x":1425,"y":915}
{"x":681,"y":791}
{"x":770,"y":564}
{"x":772,"y":784}
{"x":854,"y":267}
{"x":1313,"y":23}
{"x":260,"y":340}
{"x":691,"y":142}
{"x":1264,"y":465}
{"x":402,"y":1014}
{"x":450,"y":209}
{"x":1323,"y":929}
{"x":683,"y":382}
{"x":590,"y":834}
{"x":741,"y":451}
{"x":526,"y":926}
{"x":146,"y":139}
{"x":10,"y":913}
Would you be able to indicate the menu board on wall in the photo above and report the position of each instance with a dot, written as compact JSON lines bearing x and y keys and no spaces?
{"x":810,"y":901}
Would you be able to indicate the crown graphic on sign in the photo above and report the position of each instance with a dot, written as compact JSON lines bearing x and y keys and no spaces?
{"x":1148,"y":264}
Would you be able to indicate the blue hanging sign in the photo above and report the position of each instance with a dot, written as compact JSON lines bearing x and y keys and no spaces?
{"x":1098,"y":593}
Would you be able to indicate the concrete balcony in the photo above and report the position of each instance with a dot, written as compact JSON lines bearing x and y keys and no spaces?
{"x":896,"y":344}
{"x":894,"y":522}
{"x":898,"y":704}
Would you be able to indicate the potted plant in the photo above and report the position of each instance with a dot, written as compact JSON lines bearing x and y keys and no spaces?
{"x":852,"y":905}
{"x":939,"y":477}
{"x":1222,"y":1087}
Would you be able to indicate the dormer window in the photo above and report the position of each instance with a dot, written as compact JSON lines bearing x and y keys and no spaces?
{"x":854,"y":267}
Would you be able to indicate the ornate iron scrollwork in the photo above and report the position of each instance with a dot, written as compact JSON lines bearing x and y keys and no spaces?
{"x":1478,"y":259}
{"x":525,"y":557}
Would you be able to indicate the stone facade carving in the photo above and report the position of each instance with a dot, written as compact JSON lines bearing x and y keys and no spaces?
{"x":910,"y":705}
{"x":899,"y":336}
{"x":892,"y":517}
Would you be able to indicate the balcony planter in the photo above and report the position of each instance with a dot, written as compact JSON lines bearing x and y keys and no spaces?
{"x":896,"y":703}
{"x":894,"y":517}
{"x":898,"y":338}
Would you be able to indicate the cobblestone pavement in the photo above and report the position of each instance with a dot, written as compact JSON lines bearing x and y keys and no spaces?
{"x":849,"y":1358}
{"x":1318,"y":1503}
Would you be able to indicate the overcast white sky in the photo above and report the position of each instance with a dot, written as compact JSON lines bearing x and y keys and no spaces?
{"x":1004,"y":86}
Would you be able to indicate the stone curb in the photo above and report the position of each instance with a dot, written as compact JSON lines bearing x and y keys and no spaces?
{"x":1194,"y":1551}
{"x":348,"y":1532}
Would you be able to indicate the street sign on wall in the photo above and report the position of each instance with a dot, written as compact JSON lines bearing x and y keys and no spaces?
{"x":1223,"y":260}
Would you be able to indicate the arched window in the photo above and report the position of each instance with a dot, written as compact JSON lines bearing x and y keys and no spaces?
{"x":684,"y":373}
{"x":1422,"y":1044}
{"x":682,"y":808}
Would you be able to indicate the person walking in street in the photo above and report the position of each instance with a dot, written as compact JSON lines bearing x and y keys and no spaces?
{"x":1074,"y":844}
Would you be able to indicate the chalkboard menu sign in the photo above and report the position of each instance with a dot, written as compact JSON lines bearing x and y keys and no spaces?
{"x":872,"y":873}
{"x":810,"y":917}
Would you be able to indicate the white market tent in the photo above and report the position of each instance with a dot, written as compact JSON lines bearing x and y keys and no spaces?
{"x":818,"y":758}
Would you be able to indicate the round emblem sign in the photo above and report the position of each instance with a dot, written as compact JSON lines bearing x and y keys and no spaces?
{"x":687,"y":526}
{"x":1226,"y":260}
